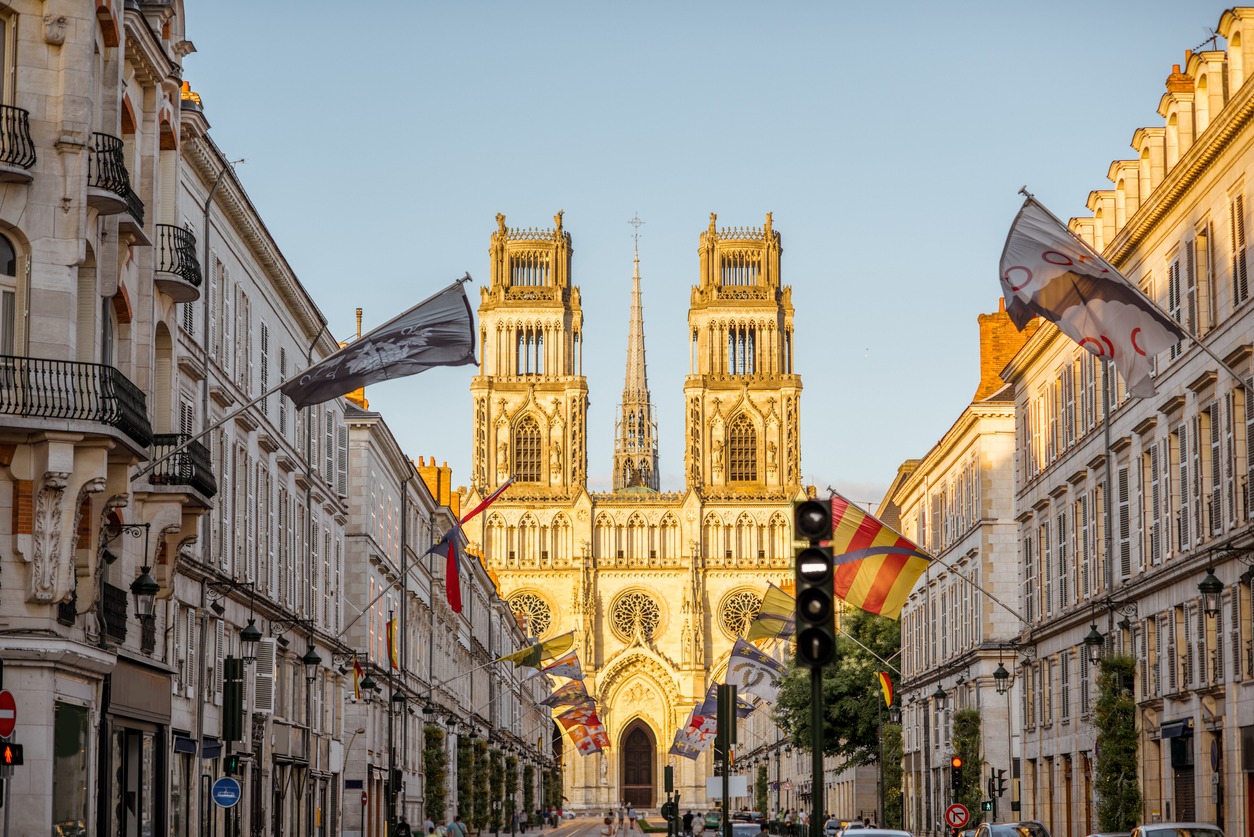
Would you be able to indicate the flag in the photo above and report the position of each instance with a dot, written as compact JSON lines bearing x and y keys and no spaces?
{"x":694,"y":736}
{"x":753,"y":671}
{"x":451,"y":545}
{"x":1046,"y":271}
{"x":573,"y":693}
{"x":875,"y":567}
{"x":886,"y":686}
{"x":453,"y":541}
{"x":709,"y":706}
{"x":393,"y":660}
{"x":565,"y":666}
{"x":777,"y":617}
{"x":585,"y":729}
{"x":439,"y":331}
{"x":357,"y":675}
{"x":487,"y":501}
{"x":533,"y":655}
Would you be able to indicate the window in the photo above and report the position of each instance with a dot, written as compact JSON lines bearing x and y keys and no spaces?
{"x":8,"y":286}
{"x":742,"y":350}
{"x":1174,"y":303}
{"x":1180,"y":464}
{"x":1212,"y":467}
{"x":1060,"y":532}
{"x":742,"y":450}
{"x":527,"y":451}
{"x":1197,"y":285}
{"x":1124,"y":522}
{"x":1064,"y":694}
{"x":1151,"y":507}
{"x":1236,"y":226}
{"x":1081,"y":521}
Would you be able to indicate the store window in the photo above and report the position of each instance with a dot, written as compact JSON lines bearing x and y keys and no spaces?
{"x":69,"y":770}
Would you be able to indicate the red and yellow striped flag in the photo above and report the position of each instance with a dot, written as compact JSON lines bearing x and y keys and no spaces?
{"x":393,"y":659}
{"x":356,"y":679}
{"x":875,"y":567}
{"x":886,"y":686}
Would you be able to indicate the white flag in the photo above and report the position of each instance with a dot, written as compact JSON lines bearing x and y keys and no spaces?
{"x":1046,"y":271}
{"x":753,"y":671}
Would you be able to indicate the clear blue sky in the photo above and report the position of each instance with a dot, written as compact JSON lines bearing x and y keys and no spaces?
{"x":889,"y":140}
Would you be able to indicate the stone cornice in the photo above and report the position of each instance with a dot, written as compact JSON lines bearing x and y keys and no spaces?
{"x":1184,"y":175}
{"x":145,"y":52}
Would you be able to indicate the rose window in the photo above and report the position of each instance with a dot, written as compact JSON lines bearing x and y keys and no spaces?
{"x":738,"y":610}
{"x":533,"y":609}
{"x":635,"y":611}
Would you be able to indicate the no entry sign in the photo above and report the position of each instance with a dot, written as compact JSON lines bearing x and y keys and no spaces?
{"x":8,"y":714}
{"x":956,"y":815}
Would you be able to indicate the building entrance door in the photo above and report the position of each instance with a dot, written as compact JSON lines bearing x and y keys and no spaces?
{"x":636,"y":768}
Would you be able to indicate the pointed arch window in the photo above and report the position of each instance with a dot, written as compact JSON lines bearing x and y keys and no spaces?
{"x":527,"y":451}
{"x":742,"y":450}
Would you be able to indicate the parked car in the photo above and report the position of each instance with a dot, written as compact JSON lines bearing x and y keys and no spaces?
{"x":1178,"y":829}
{"x":1112,"y":834}
{"x":832,"y":827}
{"x":885,"y":832}
{"x":741,"y":828}
{"x":854,"y":825}
{"x":1026,"y":828}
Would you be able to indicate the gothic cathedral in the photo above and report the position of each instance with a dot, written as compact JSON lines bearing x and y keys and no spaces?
{"x":656,"y":584}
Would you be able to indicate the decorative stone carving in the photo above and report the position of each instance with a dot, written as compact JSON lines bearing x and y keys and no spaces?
{"x":47,"y":536}
{"x":54,"y":29}
{"x":534,"y":609}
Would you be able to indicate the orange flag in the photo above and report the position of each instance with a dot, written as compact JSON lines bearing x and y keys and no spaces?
{"x":886,"y":686}
{"x":875,"y":566}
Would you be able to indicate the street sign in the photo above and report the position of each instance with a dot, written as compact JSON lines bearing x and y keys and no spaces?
{"x":225,"y":792}
{"x":956,"y":815}
{"x":8,"y":713}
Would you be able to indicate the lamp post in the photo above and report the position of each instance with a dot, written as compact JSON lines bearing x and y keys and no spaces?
{"x":310,"y":660}
{"x":1211,"y":589}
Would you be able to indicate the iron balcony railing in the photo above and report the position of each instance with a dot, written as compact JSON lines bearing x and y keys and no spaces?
{"x":106,"y":165}
{"x":16,"y":146}
{"x":134,"y":206}
{"x":190,"y":466}
{"x":61,"y":389}
{"x":176,"y":253}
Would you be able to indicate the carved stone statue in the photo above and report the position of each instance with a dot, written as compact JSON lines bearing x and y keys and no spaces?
{"x":555,"y":461}
{"x":770,"y":454}
{"x":717,"y":455}
{"x":768,"y":223}
{"x":500,"y":222}
{"x":502,"y":458}
{"x":557,"y":219}
{"x":713,"y":218}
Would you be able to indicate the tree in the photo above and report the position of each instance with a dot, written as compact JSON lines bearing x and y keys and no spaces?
{"x":466,"y":781}
{"x":511,"y":787}
{"x":892,"y":777}
{"x":496,"y":789}
{"x":759,"y":789}
{"x":967,"y":747}
{"x":852,"y":701}
{"x":529,"y":789}
{"x":435,"y":768}
{"x":482,"y":792}
{"x":1115,"y":782}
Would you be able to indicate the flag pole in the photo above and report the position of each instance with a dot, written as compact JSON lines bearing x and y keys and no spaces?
{"x":1137,"y":289}
{"x":850,"y":636}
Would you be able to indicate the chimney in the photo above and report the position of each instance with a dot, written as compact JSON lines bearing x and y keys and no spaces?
{"x":999,"y":342}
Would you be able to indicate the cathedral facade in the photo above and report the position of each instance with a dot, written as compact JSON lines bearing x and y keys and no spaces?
{"x":655,"y":584}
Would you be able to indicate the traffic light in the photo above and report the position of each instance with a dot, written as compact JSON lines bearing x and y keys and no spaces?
{"x":230,"y":765}
{"x":1001,"y":782}
{"x":987,"y":805}
{"x":10,"y":754}
{"x":816,"y":598}
{"x":955,"y":774}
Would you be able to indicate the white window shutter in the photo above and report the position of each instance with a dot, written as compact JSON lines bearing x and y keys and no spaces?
{"x":263,"y":680}
{"x":342,"y":461}
{"x":219,"y":643}
{"x":190,"y":662}
{"x":176,"y":649}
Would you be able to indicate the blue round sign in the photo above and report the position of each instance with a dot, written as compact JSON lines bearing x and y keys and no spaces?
{"x":225,"y":792}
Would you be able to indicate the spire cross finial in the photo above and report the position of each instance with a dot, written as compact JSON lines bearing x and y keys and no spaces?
{"x":636,"y":222}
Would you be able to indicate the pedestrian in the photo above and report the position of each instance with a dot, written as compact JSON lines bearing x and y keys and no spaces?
{"x":688,"y":823}
{"x":607,"y":827}
{"x":402,"y":828}
{"x":428,"y":827}
{"x":515,"y":823}
{"x":524,"y":821}
{"x":698,"y":825}
{"x":788,"y":823}
{"x":457,"y":828}
{"x":622,"y":811}
{"x":631,"y":818}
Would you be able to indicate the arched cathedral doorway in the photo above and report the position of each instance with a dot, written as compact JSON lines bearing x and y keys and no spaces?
{"x":636,"y":767}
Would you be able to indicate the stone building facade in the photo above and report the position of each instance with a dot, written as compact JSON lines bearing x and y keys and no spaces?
{"x":1124,"y":504}
{"x":656,"y":584}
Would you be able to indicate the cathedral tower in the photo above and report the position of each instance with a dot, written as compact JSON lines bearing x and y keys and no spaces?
{"x":742,"y":396}
{"x":635,"y":435}
{"x":530,"y":396}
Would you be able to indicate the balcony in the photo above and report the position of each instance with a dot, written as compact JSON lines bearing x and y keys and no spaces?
{"x":108,"y":183}
{"x":17,"y":151}
{"x":69,"y":391}
{"x":177,"y":270}
{"x":191,"y":466}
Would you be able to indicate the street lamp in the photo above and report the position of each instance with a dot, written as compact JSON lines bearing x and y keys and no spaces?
{"x":1001,"y":679}
{"x":310,"y":660}
{"x":145,"y":589}
{"x":1211,"y":589}
{"x":1094,"y":642}
{"x":939,"y":696}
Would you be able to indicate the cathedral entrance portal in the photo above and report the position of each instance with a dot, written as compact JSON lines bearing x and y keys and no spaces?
{"x":637,"y":765}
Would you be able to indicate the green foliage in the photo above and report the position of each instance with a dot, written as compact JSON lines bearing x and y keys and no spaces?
{"x":435,"y":768}
{"x":760,"y":785}
{"x":1115,"y":780}
{"x":892,"y":777}
{"x":852,"y":701}
{"x":465,"y":780}
{"x":496,"y":788}
{"x":967,"y":747}
{"x":483,"y":798}
{"x":511,"y":786}
{"x":529,"y":789}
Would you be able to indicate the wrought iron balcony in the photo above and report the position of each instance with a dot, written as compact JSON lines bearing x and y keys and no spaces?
{"x":114,"y":601}
{"x":61,"y":389}
{"x":17,"y":150}
{"x":177,"y":269}
{"x":108,"y":183}
{"x":191,"y":466}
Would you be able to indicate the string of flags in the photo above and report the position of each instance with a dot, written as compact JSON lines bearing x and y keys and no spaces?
{"x":556,"y":658}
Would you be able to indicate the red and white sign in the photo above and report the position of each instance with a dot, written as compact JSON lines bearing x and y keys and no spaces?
{"x":956,"y":815}
{"x":8,"y":714}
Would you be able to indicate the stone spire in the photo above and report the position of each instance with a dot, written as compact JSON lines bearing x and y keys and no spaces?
{"x":635,"y":442}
